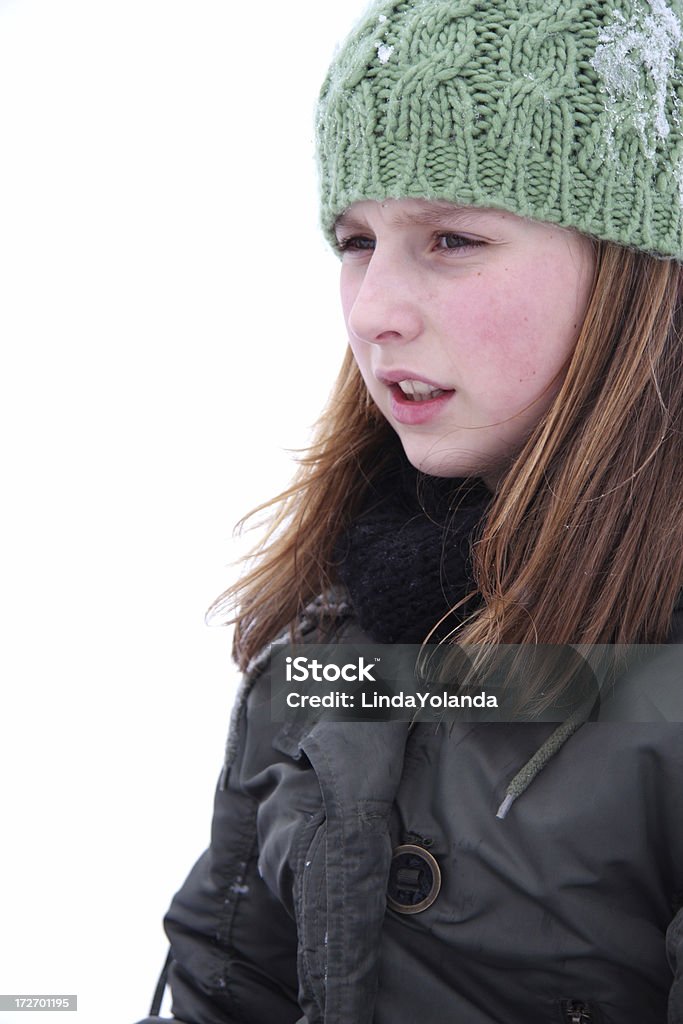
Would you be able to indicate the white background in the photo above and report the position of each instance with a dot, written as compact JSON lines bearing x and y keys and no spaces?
{"x":169,"y":326}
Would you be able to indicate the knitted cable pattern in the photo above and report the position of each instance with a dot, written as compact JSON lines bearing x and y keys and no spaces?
{"x":565,"y":112}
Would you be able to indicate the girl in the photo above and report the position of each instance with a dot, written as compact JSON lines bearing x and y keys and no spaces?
{"x":499,"y":463}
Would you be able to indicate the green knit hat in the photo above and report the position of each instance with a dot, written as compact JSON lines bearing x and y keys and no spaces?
{"x":564,"y":112}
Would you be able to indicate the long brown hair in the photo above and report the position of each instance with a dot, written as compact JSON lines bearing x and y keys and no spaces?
{"x":583,"y":540}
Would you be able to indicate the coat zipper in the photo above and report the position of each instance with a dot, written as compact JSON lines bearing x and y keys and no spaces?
{"x":575,"y":1012}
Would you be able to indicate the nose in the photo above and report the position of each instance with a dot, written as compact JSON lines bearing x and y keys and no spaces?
{"x":382,"y":300}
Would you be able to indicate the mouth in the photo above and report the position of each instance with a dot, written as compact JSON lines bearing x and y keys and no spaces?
{"x":417,"y":390}
{"x":414,"y":400}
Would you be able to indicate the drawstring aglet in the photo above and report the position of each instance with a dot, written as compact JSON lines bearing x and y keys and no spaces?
{"x":506,"y":805}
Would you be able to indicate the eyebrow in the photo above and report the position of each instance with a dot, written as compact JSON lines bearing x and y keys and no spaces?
{"x":430,"y":216}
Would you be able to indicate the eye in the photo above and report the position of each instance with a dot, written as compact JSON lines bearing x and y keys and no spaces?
{"x":455,"y":241}
{"x":355,"y":243}
{"x":452,"y":242}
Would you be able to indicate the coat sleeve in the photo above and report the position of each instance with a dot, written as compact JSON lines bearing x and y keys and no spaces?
{"x":674,"y":950}
{"x":233,"y":957}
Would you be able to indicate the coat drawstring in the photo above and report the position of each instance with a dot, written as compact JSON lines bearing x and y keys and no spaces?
{"x":537,"y":763}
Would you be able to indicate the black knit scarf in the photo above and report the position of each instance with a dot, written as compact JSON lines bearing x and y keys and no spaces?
{"x":405,"y":559}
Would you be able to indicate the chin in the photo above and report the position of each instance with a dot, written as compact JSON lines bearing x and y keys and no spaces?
{"x":444,"y":464}
{"x":452,"y":464}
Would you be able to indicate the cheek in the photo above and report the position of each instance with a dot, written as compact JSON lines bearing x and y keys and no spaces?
{"x":492,"y":334}
{"x":520,"y":331}
{"x":362,"y":355}
{"x":348,"y":290}
{"x":347,"y":293}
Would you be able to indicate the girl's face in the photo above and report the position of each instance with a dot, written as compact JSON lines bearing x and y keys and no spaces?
{"x":461,"y":320}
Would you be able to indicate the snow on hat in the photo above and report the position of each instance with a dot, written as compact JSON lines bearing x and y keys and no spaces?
{"x":567,"y":112}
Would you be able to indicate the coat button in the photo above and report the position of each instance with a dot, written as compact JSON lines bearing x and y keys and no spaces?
{"x":414,"y":880}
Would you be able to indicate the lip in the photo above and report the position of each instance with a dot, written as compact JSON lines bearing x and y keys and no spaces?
{"x":405,"y":410}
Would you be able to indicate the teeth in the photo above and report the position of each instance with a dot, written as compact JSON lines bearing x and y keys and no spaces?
{"x":418,"y":391}
{"x":415,"y":387}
